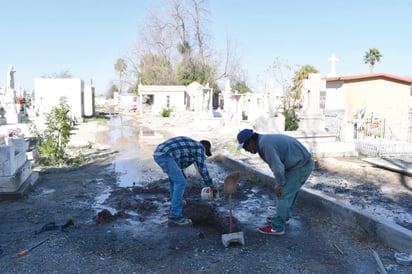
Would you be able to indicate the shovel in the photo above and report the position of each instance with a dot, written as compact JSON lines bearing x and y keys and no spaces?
{"x":229,"y":189}
{"x":230,"y":185}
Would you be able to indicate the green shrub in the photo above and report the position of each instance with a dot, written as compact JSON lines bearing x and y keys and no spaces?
{"x":54,"y":139}
{"x":166,"y":112}
{"x":291,"y":120}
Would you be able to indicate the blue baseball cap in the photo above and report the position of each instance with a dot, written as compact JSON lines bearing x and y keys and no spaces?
{"x":243,"y":136}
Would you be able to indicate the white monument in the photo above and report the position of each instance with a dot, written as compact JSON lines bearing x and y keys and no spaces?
{"x":10,"y":93}
{"x":232,"y":103}
{"x":8,"y":100}
{"x":226,"y":96}
{"x":312,"y":115}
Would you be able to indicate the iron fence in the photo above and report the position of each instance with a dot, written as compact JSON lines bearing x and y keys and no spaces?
{"x":378,"y":138}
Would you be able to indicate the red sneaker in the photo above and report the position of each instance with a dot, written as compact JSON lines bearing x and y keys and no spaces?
{"x":269,"y":220}
{"x":269,"y":231}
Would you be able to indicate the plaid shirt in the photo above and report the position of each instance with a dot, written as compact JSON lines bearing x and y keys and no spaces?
{"x":186,"y":151}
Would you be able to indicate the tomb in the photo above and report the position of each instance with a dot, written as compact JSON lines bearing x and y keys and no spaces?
{"x":16,"y":175}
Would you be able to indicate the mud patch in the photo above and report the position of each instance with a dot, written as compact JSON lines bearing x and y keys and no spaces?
{"x":152,"y":202}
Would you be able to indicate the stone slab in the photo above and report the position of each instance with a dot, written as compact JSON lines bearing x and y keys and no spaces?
{"x":331,"y":149}
{"x":10,"y":160}
{"x":19,"y":144}
{"x":23,"y":189}
{"x":399,"y":165}
{"x":13,"y":182}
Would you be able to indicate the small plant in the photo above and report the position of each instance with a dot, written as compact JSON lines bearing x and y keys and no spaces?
{"x":78,"y":160}
{"x":166,"y":112}
{"x":291,"y":120}
{"x":54,"y":139}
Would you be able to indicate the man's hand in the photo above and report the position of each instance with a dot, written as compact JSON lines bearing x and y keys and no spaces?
{"x":214,"y":191}
{"x":278,"y":190}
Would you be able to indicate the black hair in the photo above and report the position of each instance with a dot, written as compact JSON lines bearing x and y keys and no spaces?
{"x":206,"y":144}
{"x":254,"y":137}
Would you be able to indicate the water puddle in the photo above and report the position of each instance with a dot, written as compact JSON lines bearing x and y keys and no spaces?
{"x":130,"y":157}
{"x":125,"y":139}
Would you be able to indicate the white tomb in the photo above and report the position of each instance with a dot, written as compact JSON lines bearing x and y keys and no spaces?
{"x":15,"y":169}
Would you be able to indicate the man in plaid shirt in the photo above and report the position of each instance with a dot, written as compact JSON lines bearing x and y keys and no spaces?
{"x":173,"y":156}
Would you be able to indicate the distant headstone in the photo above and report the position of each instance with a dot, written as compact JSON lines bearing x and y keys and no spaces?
{"x":10,"y":78}
{"x":10,"y":93}
{"x":226,"y":96}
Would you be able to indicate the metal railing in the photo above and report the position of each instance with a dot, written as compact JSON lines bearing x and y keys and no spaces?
{"x":378,"y":138}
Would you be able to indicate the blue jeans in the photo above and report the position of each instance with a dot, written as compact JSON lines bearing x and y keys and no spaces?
{"x":295,"y":179}
{"x":177,"y":184}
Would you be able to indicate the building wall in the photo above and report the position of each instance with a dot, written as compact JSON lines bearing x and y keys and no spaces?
{"x":172,"y":100}
{"x":379,"y":97}
{"x":89,"y":108}
{"x":48,"y":91}
{"x":162,"y":97}
{"x":334,"y":97}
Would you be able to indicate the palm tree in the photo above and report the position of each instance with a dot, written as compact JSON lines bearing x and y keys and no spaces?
{"x":300,"y":75}
{"x":371,"y":57}
{"x":120,"y":67}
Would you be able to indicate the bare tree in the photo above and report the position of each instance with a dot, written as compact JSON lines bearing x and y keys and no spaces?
{"x":157,"y":35}
{"x":176,"y":31}
{"x":200,"y":20}
{"x":231,"y":67}
{"x":283,"y":74}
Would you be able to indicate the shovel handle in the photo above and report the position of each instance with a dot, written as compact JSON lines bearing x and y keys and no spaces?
{"x":22,"y":253}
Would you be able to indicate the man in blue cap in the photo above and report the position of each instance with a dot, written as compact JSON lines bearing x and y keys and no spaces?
{"x":291,"y":165}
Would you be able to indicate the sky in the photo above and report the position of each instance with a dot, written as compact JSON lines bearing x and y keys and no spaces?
{"x":86,"y":37}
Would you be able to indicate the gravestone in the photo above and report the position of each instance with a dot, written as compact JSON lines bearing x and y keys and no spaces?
{"x":232,"y":103}
{"x":312,"y":115}
{"x":269,"y":109}
{"x":8,"y":100}
{"x":16,"y":175}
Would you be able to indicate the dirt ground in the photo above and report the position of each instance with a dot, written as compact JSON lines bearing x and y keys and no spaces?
{"x":92,"y":225}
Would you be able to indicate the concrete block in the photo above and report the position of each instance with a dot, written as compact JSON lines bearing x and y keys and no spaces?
{"x":19,"y":159}
{"x":13,"y":182}
{"x":18,"y":194}
{"x":235,"y":237}
{"x":19,"y":143}
{"x":6,"y":160}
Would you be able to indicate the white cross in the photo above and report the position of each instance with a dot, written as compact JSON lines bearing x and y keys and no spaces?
{"x":333,"y":60}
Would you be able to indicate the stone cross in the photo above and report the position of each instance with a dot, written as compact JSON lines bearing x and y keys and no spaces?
{"x":333,"y":61}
